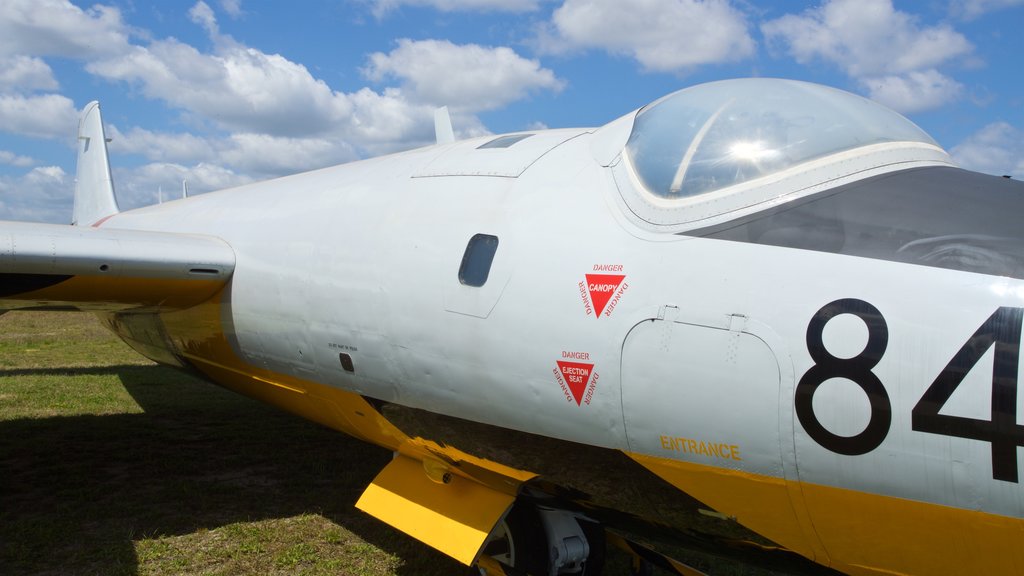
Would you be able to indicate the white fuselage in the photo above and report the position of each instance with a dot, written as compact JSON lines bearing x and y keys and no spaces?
{"x":694,"y":357}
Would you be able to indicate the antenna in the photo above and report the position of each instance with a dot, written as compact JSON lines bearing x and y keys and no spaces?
{"x":443,"y":132}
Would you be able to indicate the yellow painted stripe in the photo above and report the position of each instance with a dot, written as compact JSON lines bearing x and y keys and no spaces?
{"x":197,"y":334}
{"x":111,"y":293}
{"x":871,"y":534}
{"x":761,"y":503}
{"x":863,"y":534}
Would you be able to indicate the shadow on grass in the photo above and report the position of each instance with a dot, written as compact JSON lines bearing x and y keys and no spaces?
{"x":75,"y":492}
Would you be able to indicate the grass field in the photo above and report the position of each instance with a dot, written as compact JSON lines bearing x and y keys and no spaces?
{"x":110,"y":464}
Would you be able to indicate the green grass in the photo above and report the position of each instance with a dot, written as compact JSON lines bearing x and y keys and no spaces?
{"x":110,"y":464}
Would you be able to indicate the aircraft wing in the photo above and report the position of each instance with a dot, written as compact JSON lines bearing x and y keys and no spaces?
{"x":86,"y":267}
{"x":59,"y":266}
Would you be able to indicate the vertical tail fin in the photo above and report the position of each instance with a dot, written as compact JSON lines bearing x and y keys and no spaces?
{"x":94,"y":187}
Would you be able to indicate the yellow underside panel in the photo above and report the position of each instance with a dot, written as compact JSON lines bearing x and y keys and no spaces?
{"x":869,"y":534}
{"x":855,"y":532}
{"x":761,"y":503}
{"x":117,"y":293}
{"x":454,"y":518}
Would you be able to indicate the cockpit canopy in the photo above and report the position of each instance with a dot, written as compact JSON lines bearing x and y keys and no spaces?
{"x":738,"y":143}
{"x":720,"y":134}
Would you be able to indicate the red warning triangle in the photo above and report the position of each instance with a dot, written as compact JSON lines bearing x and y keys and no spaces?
{"x":601,"y":287}
{"x":576,"y":376}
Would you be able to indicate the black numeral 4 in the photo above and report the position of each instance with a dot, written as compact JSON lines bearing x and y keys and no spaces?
{"x":1003,"y":328}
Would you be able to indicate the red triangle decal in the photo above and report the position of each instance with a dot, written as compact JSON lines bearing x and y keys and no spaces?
{"x":601,"y":287}
{"x":576,"y":376}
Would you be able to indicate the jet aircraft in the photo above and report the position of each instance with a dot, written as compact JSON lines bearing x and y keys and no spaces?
{"x":757,"y":318}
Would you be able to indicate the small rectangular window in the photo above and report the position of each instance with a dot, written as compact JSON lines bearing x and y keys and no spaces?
{"x":504,"y":141}
{"x":346,"y":362}
{"x":476,"y":262}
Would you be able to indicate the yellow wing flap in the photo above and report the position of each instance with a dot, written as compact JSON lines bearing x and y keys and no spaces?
{"x":50,"y":265}
{"x":450,"y":513}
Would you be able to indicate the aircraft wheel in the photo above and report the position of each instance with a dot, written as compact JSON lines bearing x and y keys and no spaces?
{"x":521,"y":543}
{"x":518,"y":541}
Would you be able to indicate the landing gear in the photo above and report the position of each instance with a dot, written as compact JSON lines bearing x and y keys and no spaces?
{"x":546,"y":542}
{"x":501,"y":546}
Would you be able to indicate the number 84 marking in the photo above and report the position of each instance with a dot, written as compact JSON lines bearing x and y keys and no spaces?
{"x":1002,"y":329}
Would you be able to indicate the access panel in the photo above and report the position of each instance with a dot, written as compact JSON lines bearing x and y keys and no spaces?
{"x":702,"y":411}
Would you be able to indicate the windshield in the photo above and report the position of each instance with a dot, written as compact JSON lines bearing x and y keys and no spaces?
{"x":716,"y":135}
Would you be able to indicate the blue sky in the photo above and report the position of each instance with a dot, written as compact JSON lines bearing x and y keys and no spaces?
{"x":224,"y":92}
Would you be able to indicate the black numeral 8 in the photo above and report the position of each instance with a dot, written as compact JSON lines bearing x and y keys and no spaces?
{"x":856,"y":369}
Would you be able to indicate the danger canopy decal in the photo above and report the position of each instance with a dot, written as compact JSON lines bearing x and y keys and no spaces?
{"x":600,"y":293}
{"x":577,"y":379}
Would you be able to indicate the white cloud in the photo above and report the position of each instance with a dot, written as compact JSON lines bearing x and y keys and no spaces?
{"x":13,"y":159}
{"x":47,"y":174}
{"x":141,"y":186}
{"x":468,"y":76}
{"x":388,"y":117}
{"x":267,"y":156}
{"x":253,"y":115}
{"x":240,"y":88}
{"x":202,"y":14}
{"x":243,"y":90}
{"x":165,"y":147}
{"x":256,"y":155}
{"x":44,"y":194}
{"x":213,"y":163}
{"x":866,"y":37}
{"x":971,"y":9}
{"x":43,"y":116}
{"x":382,"y":7}
{"x":662,"y":35}
{"x":59,"y":28}
{"x":246,"y":91}
{"x":998,"y":149}
{"x":233,"y":8}
{"x":913,"y":91}
{"x":871,"y":41}
{"x":24,"y":73}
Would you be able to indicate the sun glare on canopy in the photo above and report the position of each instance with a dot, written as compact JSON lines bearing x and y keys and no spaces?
{"x":720,"y":134}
